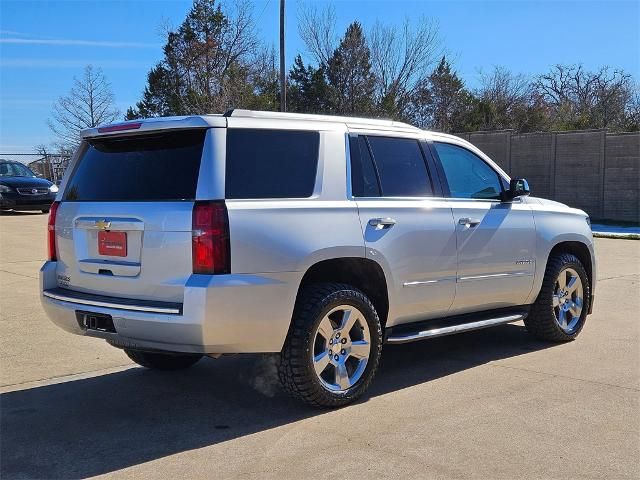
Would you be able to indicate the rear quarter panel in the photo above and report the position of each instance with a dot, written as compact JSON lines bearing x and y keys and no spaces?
{"x":279,"y":239}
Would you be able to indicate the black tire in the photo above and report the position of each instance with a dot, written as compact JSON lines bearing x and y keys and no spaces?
{"x":295,"y":366}
{"x":541,"y":321}
{"x":162,"y":361}
{"x":45,"y":210}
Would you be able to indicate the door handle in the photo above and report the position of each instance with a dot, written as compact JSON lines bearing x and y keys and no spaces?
{"x":380,"y":223}
{"x":469,"y":222}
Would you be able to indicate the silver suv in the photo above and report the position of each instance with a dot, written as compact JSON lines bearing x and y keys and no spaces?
{"x":317,"y":238}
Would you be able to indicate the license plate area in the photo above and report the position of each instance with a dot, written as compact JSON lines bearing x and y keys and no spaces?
{"x":100,"y":322}
{"x":112,"y":244}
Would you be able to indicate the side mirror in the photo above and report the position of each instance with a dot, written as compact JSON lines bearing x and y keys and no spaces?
{"x":518,"y":187}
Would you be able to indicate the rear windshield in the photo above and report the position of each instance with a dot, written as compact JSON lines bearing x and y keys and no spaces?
{"x":271,"y":163}
{"x":152,"y":167}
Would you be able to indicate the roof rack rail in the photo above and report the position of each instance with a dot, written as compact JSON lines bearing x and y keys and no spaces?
{"x":242,"y":113}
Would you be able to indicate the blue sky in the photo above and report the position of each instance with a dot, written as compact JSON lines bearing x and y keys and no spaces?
{"x":44,"y":44}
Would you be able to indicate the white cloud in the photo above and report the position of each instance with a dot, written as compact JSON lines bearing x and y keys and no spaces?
{"x":80,"y":43}
{"x":62,"y":63}
{"x":13,"y":33}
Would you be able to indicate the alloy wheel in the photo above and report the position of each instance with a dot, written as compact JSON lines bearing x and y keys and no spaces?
{"x":341,"y":348}
{"x":568,"y":300}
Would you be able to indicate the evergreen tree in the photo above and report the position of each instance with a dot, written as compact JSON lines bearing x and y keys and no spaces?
{"x":349,"y":75}
{"x":308,"y":91}
{"x":442,"y":102}
{"x":209,"y":64}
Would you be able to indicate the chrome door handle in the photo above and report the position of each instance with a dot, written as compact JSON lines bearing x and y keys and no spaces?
{"x":380,"y":223}
{"x":469,"y":222}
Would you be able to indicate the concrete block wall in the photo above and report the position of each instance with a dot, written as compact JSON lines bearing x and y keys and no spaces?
{"x":622,"y":177}
{"x":579,"y":162}
{"x":532,"y":157}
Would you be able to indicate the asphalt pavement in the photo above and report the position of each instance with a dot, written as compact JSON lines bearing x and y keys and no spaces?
{"x":490,"y":404}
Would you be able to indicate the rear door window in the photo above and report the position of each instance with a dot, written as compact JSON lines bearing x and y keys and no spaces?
{"x":271,"y":163}
{"x":364,"y":180}
{"x":152,"y":167}
{"x":401,"y":167}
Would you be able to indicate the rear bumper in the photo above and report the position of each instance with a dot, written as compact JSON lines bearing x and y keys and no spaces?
{"x":219,"y":314}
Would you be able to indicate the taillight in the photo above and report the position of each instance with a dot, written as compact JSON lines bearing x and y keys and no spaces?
{"x":211,"y":251}
{"x":51,"y":231}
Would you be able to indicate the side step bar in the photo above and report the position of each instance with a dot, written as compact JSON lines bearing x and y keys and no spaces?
{"x":423,"y":330}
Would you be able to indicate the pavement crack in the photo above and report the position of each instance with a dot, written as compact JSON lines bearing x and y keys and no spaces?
{"x":25,"y":261}
{"x":619,"y":276}
{"x":18,"y":274}
{"x":595,"y":382}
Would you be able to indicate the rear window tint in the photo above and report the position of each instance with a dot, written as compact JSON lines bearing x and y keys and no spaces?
{"x":139,"y":168}
{"x":271,"y":163}
{"x":401,"y":166}
{"x":364,"y":182}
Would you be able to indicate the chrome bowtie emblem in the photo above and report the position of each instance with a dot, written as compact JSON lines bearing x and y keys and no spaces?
{"x":102,"y":224}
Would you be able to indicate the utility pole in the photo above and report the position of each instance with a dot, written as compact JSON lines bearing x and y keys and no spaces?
{"x":283,"y":83}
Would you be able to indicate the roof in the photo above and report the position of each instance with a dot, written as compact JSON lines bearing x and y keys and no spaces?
{"x":219,"y":120}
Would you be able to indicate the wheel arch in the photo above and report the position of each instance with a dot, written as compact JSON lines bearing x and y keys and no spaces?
{"x":584,"y":253}
{"x":580,"y":250}
{"x":362,"y":273}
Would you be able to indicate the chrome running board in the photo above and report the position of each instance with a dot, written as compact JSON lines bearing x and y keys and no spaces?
{"x":406,"y":335}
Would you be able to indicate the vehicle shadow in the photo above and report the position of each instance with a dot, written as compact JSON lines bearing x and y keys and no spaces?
{"x":102,"y":424}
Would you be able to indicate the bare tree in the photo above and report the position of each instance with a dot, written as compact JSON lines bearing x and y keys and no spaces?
{"x":90,"y":103}
{"x":317,"y":28}
{"x":583,"y":99}
{"x":401,"y":59}
{"x":505,"y":98}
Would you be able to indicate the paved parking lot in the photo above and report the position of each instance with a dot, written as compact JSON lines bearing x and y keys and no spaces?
{"x":488,"y":404}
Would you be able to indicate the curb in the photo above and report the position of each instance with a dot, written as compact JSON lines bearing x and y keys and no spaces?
{"x":618,"y":236}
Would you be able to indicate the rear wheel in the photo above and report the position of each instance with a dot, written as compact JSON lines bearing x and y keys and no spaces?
{"x":45,"y":210}
{"x":560,"y":310}
{"x":162,"y":361}
{"x":333,"y":348}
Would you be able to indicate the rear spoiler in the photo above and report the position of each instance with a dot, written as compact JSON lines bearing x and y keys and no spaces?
{"x":155,"y":124}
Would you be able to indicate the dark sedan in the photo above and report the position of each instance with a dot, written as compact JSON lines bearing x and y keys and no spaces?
{"x":21,"y":189}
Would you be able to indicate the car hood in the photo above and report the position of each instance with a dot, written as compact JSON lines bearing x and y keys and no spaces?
{"x":25,"y":182}
{"x":552,"y":204}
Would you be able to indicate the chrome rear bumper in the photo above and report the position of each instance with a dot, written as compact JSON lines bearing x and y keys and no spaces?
{"x":83,"y":299}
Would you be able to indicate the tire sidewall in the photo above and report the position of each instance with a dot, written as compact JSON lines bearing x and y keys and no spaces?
{"x":358,"y":300}
{"x":570,"y":261}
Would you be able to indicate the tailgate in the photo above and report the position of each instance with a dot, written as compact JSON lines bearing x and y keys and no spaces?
{"x":123,"y":228}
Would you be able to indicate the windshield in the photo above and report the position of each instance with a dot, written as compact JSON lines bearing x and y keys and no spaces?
{"x":15,"y":170}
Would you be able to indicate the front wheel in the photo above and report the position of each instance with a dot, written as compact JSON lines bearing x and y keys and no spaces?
{"x":162,"y":361}
{"x":560,"y":311}
{"x":333,"y":348}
